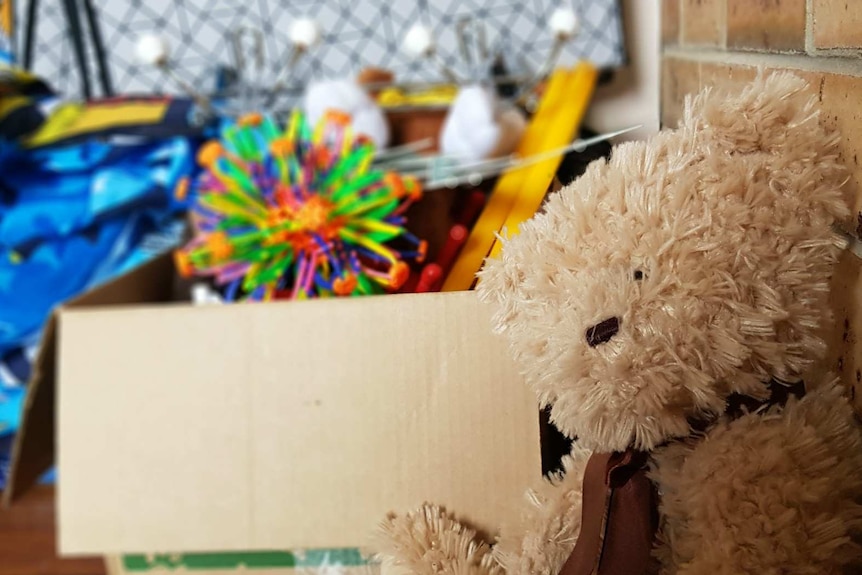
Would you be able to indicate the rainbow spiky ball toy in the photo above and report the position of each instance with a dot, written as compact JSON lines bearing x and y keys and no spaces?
{"x":299,"y":212}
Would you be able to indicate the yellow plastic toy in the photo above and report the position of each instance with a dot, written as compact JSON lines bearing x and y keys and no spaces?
{"x":519,"y":193}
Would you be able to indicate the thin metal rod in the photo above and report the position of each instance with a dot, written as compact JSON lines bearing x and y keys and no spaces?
{"x":444,"y":69}
{"x":280,"y":83}
{"x":545,"y":68}
{"x":77,"y":37}
{"x":391,"y":154}
{"x":494,"y":167}
{"x":199,"y":99}
{"x":461,"y":32}
{"x":99,"y":47}
{"x":417,"y":86}
{"x":854,"y":244}
{"x":29,"y":33}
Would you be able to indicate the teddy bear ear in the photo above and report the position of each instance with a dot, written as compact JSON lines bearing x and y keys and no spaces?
{"x":776,"y":110}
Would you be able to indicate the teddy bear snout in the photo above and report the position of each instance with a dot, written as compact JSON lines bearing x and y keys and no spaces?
{"x":603,"y":331}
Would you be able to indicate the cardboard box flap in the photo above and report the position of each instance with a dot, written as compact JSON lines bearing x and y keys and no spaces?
{"x":285,"y":425}
{"x":33,"y":452}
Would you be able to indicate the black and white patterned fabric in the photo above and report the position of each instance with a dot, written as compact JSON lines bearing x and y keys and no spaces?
{"x":356,"y":33}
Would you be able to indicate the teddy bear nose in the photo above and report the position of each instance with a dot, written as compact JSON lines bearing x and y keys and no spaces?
{"x":603,"y":331}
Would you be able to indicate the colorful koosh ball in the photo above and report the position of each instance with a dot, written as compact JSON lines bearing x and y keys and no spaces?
{"x":299,"y":213}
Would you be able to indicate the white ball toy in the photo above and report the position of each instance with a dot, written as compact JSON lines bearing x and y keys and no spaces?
{"x":418,"y":41}
{"x":347,"y":96}
{"x":152,"y":50}
{"x":564,"y":22}
{"x":304,"y":32}
{"x":478,"y":127}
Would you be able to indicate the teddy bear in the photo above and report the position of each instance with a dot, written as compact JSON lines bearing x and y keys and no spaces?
{"x":669,"y":308}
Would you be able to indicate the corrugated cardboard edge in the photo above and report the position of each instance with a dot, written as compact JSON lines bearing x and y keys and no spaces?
{"x":114,"y":566}
{"x":34,"y":450}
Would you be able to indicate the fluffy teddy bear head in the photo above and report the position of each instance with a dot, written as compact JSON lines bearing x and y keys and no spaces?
{"x":686,"y":268}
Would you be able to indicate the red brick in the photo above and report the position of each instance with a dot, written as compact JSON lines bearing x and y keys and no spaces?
{"x":703,"y":22}
{"x":682,"y":77}
{"x":678,"y":78}
{"x":844,"y":355}
{"x":670,"y":21}
{"x":839,"y":95}
{"x":766,"y":24}
{"x":725,"y":76}
{"x":836,"y":23}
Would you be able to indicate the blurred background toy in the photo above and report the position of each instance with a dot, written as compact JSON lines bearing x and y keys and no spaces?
{"x":300,"y":212}
{"x":350,"y":97}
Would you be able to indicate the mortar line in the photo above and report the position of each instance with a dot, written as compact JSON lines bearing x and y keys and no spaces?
{"x":831,"y":64}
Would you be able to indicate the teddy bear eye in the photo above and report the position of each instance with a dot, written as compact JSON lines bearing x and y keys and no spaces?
{"x":638,"y":275}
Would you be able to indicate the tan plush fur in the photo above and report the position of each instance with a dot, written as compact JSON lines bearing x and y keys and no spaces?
{"x":430,"y":540}
{"x":775,"y":492}
{"x":713,"y":245}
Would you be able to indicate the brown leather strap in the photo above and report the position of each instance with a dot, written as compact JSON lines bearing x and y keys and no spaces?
{"x":595,"y":504}
{"x":619,"y":511}
{"x":618,"y":517}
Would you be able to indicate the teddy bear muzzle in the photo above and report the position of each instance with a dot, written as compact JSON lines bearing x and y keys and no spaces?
{"x":603,"y":331}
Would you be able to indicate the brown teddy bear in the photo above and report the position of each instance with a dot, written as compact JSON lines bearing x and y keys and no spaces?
{"x":665,"y":306}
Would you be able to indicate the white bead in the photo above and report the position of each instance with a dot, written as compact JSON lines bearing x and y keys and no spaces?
{"x":304,"y":32}
{"x":152,"y":50}
{"x":418,"y":41}
{"x":564,"y":22}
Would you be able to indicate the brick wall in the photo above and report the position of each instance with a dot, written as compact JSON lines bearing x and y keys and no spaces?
{"x":723,"y":42}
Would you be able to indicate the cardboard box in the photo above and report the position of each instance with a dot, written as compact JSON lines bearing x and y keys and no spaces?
{"x":193,"y":437}
{"x":34,"y":451}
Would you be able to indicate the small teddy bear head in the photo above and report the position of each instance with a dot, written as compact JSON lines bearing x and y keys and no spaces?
{"x":686,"y":268}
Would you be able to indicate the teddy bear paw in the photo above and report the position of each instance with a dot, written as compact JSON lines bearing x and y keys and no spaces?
{"x":429,"y":541}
